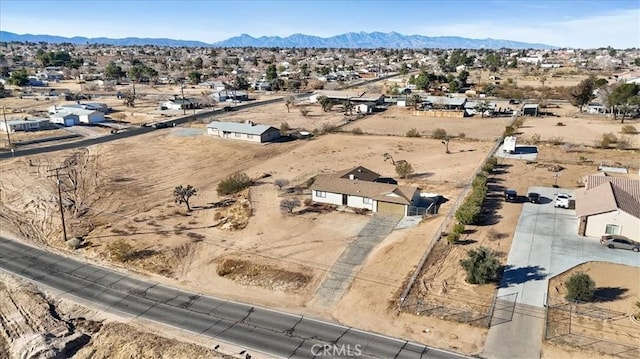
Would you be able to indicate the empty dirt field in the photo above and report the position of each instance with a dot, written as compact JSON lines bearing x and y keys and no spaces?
{"x":397,"y":121}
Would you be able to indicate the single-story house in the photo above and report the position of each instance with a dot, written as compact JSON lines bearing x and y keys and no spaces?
{"x":594,"y":108}
{"x":445,"y":102}
{"x":224,"y":95}
{"x":247,"y":131}
{"x":64,"y":118}
{"x":84,"y":115}
{"x":358,"y":188}
{"x":179,"y":104}
{"x":33,"y":124}
{"x":530,"y":109}
{"x":609,"y":205}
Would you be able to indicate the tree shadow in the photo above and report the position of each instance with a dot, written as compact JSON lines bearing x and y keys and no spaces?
{"x":465,"y":242}
{"x":421,"y":175}
{"x":608,"y":294}
{"x":518,"y":275}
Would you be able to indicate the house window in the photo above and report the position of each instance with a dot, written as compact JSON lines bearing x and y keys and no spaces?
{"x":366,"y":200}
{"x":237,"y":134}
{"x":612,"y":229}
{"x":249,"y":136}
{"x":321,"y":194}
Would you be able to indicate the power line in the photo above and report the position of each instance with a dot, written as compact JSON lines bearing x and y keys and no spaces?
{"x":57,"y":176}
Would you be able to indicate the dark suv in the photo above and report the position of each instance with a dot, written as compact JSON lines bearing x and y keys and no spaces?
{"x":510,"y":195}
{"x":533,"y":197}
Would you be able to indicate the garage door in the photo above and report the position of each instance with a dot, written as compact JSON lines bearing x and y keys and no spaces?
{"x":393,"y":208}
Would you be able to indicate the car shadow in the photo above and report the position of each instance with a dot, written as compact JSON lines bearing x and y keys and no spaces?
{"x":518,"y":275}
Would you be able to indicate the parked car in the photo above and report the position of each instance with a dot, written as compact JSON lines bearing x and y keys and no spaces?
{"x":533,"y":197}
{"x":562,"y":200}
{"x":162,"y":125}
{"x":617,"y":241}
{"x":510,"y":195}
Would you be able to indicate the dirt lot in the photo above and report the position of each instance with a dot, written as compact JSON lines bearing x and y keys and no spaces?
{"x":33,"y":325}
{"x":397,"y":121}
{"x":607,"y":318}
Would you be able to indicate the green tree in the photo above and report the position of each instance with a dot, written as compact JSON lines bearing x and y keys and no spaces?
{"x":623,"y":98}
{"x":582,"y":93}
{"x":580,"y":287}
{"x":19,"y":78}
{"x":304,"y":68}
{"x":482,"y":107}
{"x":482,"y":266}
{"x":404,"y":69}
{"x":194,"y":77}
{"x":197,"y":63}
{"x":463,"y":76}
{"x":326,"y":103}
{"x":404,"y":169}
{"x":272,"y":72}
{"x":183,"y":195}
{"x":113,"y":72}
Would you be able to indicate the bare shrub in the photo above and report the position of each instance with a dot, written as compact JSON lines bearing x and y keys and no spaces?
{"x":556,"y":140}
{"x":280,"y":182}
{"x":120,"y":251}
{"x":462,"y":135}
{"x":610,"y":137}
{"x":536,"y":138}
{"x":74,"y":243}
{"x":287,"y":205}
{"x":357,"y":131}
{"x":493,"y":235}
{"x":439,"y":134}
{"x":308,"y":202}
{"x":284,"y":127}
{"x":119,"y":116}
{"x":560,"y":124}
{"x":624,"y":143}
{"x":304,"y":111}
{"x":629,"y":130}
{"x":413,"y":133}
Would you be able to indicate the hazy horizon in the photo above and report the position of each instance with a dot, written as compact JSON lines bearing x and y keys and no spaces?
{"x":576,"y":24}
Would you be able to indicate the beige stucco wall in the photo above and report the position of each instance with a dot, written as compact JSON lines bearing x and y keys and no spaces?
{"x":629,"y":225}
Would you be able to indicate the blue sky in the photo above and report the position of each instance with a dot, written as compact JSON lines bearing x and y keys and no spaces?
{"x":584,"y":24}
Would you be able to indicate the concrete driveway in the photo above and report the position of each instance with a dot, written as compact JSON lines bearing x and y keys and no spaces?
{"x":545,"y":244}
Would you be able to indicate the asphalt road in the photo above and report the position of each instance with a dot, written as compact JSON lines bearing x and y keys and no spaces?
{"x":259,"y":329}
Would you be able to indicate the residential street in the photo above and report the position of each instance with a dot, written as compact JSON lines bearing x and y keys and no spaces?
{"x":256,"y":329}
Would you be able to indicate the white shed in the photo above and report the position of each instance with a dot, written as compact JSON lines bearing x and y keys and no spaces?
{"x":64,"y":118}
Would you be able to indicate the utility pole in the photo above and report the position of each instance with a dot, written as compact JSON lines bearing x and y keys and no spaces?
{"x":6,"y":126}
{"x":184,"y":109}
{"x":57,"y":176}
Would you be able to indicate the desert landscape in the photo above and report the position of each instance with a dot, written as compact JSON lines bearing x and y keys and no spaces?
{"x":269,"y":243}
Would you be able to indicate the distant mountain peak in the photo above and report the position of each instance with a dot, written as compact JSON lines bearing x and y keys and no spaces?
{"x":360,"y":39}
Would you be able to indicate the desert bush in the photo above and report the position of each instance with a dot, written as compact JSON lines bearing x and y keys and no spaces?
{"x":519,"y":122}
{"x":412,"y":133}
{"x":217,"y":216}
{"x":357,"y":131}
{"x":284,"y":127}
{"x":601,"y":142}
{"x":509,"y":131}
{"x":458,"y":228}
{"x":234,"y":183}
{"x":120,"y":251}
{"x":629,"y":130}
{"x":280,"y":182}
{"x":439,"y":134}
{"x":287,"y":205}
{"x":121,"y":116}
{"x":467,"y":213}
{"x":308,"y":201}
{"x":560,"y":124}
{"x":482,"y":266}
{"x":535,"y":138}
{"x":453,"y":237}
{"x":493,"y":235}
{"x":404,"y":169}
{"x":304,"y":111}
{"x":490,"y":165}
{"x":74,"y":243}
{"x":361,"y":211}
{"x":610,"y":137}
{"x":580,"y":287}
{"x":556,"y":140}
{"x":462,"y":135}
{"x":308,"y":183}
{"x":624,"y":143}
{"x":327,"y":128}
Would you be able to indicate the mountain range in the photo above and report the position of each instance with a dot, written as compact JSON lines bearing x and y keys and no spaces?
{"x":348,"y":40}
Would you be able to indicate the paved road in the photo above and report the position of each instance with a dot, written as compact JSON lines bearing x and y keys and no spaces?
{"x":343,"y":270}
{"x":545,"y":244}
{"x":258,"y":329}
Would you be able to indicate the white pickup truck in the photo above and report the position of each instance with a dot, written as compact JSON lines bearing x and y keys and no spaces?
{"x":562,"y":200}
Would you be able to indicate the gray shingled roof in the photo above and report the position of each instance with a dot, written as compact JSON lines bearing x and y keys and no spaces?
{"x":238,"y":127}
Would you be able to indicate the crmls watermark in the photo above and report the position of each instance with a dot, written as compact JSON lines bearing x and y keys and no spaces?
{"x":335,"y":350}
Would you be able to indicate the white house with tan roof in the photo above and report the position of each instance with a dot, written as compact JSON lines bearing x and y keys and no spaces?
{"x":609,"y":205}
{"x":359,"y":187}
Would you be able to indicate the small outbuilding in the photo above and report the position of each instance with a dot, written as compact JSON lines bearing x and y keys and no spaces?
{"x":34,"y":124}
{"x":531,"y":109}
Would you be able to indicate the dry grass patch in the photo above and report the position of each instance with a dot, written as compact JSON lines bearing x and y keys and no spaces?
{"x":262,"y":275}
